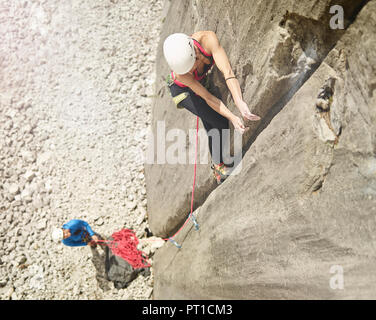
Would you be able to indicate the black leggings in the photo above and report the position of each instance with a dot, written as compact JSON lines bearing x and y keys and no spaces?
{"x":209,"y":117}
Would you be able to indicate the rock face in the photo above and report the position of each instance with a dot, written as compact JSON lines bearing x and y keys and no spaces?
{"x":299,"y":221}
{"x":273,"y":47}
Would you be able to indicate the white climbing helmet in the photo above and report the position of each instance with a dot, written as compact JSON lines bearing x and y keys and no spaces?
{"x":179,"y":52}
{"x":57,"y":234}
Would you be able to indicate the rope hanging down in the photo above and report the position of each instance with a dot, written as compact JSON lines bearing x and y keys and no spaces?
{"x":191,"y":216}
{"x":125,"y":241}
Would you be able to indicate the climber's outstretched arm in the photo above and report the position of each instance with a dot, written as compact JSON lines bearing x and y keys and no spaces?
{"x":215,"y":103}
{"x":223,"y":64}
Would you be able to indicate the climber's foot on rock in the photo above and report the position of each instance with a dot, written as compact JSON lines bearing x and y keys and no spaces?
{"x":221,"y":172}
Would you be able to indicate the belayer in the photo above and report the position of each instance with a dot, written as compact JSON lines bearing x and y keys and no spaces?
{"x":76,"y":233}
{"x":190,"y":59}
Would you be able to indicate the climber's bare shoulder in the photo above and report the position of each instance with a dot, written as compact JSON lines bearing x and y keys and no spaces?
{"x":207,"y":39}
{"x":186,"y":79}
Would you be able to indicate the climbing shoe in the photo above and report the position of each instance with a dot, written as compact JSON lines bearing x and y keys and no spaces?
{"x":220,"y":171}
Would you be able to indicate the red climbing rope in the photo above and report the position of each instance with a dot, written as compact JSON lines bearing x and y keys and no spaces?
{"x":124,"y":245}
{"x":193,"y":187}
{"x":194,"y":176}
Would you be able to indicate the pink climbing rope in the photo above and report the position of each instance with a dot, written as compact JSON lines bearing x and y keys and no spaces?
{"x":193,"y":187}
{"x":195,"y":167}
{"x":125,"y":241}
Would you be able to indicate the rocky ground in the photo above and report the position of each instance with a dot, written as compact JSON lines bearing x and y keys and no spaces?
{"x":76,"y":82}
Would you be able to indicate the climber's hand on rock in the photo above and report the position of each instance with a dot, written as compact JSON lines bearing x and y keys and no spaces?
{"x":247,"y":115}
{"x":238,"y":124}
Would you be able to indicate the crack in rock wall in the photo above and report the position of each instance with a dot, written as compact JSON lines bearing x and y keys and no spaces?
{"x":303,"y":203}
{"x":272,"y":56}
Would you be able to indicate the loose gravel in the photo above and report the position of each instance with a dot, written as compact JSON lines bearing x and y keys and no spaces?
{"x":76,"y":85}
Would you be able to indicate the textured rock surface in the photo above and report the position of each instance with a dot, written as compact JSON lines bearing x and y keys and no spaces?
{"x":273,"y":46}
{"x":74,"y":101}
{"x":304,"y":204}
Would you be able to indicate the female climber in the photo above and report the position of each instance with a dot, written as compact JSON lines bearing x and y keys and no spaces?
{"x":190,"y":59}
